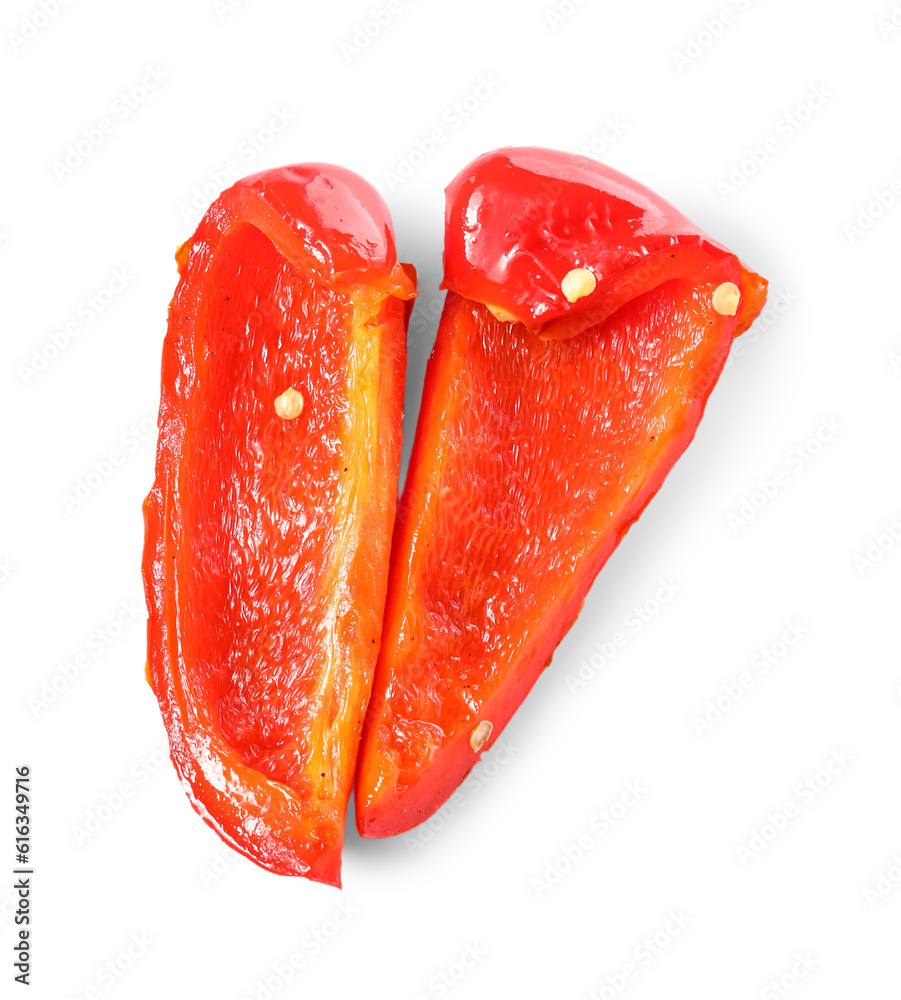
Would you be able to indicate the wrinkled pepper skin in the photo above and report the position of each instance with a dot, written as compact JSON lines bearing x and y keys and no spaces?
{"x":267,"y":532}
{"x":540,"y":440}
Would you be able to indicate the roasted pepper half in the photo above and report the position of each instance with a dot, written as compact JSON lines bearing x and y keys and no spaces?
{"x":269,"y":522}
{"x":585,"y":324}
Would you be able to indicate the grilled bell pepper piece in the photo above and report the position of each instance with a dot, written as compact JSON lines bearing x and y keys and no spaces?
{"x":268,"y":525}
{"x":586,"y":322}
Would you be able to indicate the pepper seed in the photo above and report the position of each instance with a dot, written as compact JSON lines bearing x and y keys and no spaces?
{"x":578,"y":283}
{"x":289,"y":405}
{"x":480,"y":735}
{"x":725,"y":298}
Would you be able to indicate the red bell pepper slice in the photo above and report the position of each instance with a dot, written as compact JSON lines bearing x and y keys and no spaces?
{"x":542,"y":436}
{"x":268,"y":525}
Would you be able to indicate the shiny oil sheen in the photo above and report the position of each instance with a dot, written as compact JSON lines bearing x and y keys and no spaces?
{"x":539,"y":443}
{"x":518,"y":219}
{"x":267,"y":539}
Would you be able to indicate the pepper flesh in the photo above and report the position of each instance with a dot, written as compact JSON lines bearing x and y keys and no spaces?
{"x":268,"y":525}
{"x":538,"y":444}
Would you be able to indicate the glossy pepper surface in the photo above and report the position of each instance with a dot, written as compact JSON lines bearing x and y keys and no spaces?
{"x":585,"y":324}
{"x":268,"y":524}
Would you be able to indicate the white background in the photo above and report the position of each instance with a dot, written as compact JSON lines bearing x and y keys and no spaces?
{"x":135,"y":897}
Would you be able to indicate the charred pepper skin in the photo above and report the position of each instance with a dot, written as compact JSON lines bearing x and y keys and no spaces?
{"x":555,"y":404}
{"x":267,"y":529}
